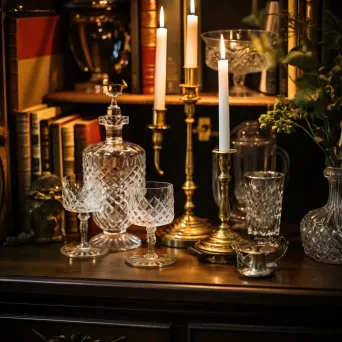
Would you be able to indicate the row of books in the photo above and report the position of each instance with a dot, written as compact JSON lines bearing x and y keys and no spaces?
{"x":49,"y":139}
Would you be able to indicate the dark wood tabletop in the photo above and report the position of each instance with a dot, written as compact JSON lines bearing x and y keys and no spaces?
{"x":42,"y":268}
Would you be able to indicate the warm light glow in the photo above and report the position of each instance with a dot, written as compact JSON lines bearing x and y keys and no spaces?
{"x":161,"y":17}
{"x":222,"y":47}
{"x":192,"y":6}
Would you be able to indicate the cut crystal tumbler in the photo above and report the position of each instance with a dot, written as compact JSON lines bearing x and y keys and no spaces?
{"x":116,"y":164}
{"x":264,"y":197}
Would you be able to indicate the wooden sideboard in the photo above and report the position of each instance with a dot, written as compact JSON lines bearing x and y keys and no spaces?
{"x":190,"y":301}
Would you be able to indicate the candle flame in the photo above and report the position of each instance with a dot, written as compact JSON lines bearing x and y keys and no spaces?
{"x":192,"y":6}
{"x":161,"y":17}
{"x":222,"y":48}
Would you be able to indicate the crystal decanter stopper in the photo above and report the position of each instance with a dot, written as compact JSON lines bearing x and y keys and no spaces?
{"x":116,"y":164}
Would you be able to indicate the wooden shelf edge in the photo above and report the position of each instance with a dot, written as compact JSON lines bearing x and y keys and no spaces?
{"x":143,"y":99}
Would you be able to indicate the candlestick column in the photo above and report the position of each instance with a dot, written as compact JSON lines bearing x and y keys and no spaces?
{"x":187,"y":229}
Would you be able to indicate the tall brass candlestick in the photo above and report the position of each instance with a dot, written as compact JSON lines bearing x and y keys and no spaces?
{"x":219,"y":243}
{"x":187,"y":229}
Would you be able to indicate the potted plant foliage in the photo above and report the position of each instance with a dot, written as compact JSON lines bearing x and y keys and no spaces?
{"x":316,"y":109}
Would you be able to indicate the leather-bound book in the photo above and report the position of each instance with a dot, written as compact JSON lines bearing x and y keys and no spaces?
{"x":174,"y":63}
{"x":135,"y":46}
{"x":56,"y":143}
{"x":68,"y":150}
{"x":22,"y":163}
{"x":35,"y":120}
{"x":148,"y":26}
{"x":86,"y":132}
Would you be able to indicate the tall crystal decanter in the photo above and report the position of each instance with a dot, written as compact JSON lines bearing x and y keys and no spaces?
{"x":117,"y":164}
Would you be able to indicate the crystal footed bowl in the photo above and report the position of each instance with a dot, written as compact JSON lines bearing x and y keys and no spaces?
{"x":241,"y":53}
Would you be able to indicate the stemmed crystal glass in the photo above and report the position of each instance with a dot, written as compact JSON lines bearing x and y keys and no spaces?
{"x":151,"y":205}
{"x":82,"y":196}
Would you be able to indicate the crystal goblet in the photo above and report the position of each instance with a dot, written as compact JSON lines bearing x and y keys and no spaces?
{"x":151,"y":205}
{"x":82,"y":196}
{"x":241,"y":53}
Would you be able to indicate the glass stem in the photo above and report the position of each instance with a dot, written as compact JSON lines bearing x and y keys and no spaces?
{"x":151,"y":241}
{"x":239,"y":80}
{"x":84,"y":230}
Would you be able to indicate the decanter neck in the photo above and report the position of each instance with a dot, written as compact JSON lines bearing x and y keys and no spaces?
{"x":114,"y":135}
{"x":334,"y":177}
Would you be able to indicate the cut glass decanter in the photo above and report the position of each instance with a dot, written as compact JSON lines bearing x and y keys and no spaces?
{"x":116,"y":164}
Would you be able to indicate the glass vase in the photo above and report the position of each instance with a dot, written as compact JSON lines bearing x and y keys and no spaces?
{"x":321,"y":229}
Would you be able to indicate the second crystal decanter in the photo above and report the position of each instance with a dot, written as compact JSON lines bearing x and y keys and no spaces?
{"x":117,"y":164}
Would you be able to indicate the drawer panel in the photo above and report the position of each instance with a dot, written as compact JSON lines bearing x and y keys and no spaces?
{"x":226,"y":333}
{"x":19,"y":329}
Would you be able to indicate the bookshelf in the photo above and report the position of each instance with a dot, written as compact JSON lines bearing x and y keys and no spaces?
{"x":207,"y":99}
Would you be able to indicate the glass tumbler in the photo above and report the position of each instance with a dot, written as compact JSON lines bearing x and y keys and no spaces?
{"x":264,"y":197}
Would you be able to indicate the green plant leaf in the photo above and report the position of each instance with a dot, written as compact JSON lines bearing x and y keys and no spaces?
{"x":301,"y":60}
{"x":257,"y":19}
{"x":306,"y":98}
{"x":338,"y":60}
{"x":308,"y":81}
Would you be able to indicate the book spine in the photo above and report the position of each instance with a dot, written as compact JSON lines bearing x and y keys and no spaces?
{"x":45,"y":146}
{"x":71,"y":224}
{"x":35,"y":147}
{"x":291,"y":43}
{"x":174,"y":44}
{"x":80,"y":145}
{"x":135,"y":42}
{"x":148,"y":25}
{"x":56,"y":150}
{"x":23,"y":165}
{"x":282,"y":72}
{"x":12,"y":62}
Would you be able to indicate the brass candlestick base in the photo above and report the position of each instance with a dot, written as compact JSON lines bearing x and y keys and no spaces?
{"x":184,"y":231}
{"x":189,"y":228}
{"x":219,"y":243}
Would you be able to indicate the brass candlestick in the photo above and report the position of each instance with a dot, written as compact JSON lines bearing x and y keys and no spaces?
{"x":157,"y":128}
{"x":219,"y":243}
{"x":188,"y":228}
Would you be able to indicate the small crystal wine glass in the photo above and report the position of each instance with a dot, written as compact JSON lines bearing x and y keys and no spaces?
{"x":82,"y":196}
{"x":151,"y":205}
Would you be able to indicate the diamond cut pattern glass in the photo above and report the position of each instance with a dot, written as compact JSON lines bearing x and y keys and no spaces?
{"x":264,"y":196}
{"x":321,"y":229}
{"x":82,"y":196}
{"x":151,"y":205}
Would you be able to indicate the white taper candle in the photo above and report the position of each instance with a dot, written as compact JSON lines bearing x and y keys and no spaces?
{"x":223,"y":80}
{"x":160,"y":67}
{"x":191,"y":42}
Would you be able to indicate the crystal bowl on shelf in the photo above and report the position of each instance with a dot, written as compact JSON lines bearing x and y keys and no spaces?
{"x":241,"y":53}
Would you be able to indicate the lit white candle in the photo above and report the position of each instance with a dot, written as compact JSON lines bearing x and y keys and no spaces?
{"x":223,"y":80}
{"x":191,"y":42}
{"x":160,"y":67}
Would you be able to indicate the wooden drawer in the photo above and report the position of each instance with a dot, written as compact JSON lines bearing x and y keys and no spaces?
{"x":19,"y":329}
{"x":241,"y":333}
